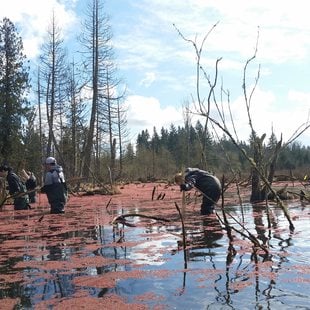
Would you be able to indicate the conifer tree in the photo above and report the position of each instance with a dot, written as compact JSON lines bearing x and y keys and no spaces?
{"x":14,"y":86}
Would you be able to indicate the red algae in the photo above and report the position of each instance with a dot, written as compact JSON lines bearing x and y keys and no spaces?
{"x":102,"y":281}
{"x":9,"y":303}
{"x":74,"y":263}
{"x":83,"y":246}
{"x":89,"y":303}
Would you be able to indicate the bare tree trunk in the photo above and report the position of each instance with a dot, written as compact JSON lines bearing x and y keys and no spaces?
{"x":256,"y":194}
{"x":120,"y":140}
{"x":87,"y":152}
{"x":113,"y":158}
{"x":40,"y":123}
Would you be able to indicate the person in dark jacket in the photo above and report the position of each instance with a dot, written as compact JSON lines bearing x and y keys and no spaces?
{"x":31,"y":184}
{"x":55,"y":186}
{"x":16,"y":187}
{"x":208,"y":184}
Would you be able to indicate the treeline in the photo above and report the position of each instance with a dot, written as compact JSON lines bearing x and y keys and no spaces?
{"x":161,"y":155}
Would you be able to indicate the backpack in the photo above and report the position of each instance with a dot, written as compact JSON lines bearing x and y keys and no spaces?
{"x":20,"y":184}
{"x":31,"y":183}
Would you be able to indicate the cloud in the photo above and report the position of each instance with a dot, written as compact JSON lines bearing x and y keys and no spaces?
{"x":32,"y":18}
{"x":147,"y":113}
{"x":266,"y":116}
{"x":284,"y":29}
{"x":150,"y":77}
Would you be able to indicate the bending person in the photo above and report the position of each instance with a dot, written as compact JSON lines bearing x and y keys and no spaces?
{"x":208,"y":184}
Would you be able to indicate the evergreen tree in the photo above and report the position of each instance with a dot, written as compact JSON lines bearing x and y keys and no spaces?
{"x":31,"y":146}
{"x":164,"y":137}
{"x":143,"y":140}
{"x":14,"y":87}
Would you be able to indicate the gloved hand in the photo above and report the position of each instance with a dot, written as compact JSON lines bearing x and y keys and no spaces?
{"x":182,"y":187}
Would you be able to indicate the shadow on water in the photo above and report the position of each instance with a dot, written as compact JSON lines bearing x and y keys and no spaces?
{"x":148,"y":260}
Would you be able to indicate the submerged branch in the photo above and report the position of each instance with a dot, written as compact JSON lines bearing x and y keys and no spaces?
{"x":183,"y":235}
{"x":121,"y":218}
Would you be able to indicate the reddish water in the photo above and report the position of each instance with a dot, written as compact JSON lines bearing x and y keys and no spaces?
{"x":80,"y":261}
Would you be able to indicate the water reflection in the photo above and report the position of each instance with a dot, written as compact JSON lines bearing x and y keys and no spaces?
{"x":218,"y":275}
{"x":59,"y":282}
{"x":258,"y":213}
{"x":204,"y":237}
{"x":35,"y":286}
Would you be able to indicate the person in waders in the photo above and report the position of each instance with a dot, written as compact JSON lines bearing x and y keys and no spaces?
{"x":206,"y":183}
{"x":55,"y":186}
{"x":16,"y":187}
{"x":31,"y":184}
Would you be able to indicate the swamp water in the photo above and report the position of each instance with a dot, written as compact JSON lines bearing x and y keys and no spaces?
{"x":80,"y":261}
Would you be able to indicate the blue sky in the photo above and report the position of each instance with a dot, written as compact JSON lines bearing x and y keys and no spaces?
{"x":158,"y":66}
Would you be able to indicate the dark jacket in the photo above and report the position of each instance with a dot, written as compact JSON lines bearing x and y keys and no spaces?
{"x":208,"y":184}
{"x":31,"y":184}
{"x":16,"y":189}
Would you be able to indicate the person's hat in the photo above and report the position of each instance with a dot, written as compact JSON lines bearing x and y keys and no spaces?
{"x":50,"y":161}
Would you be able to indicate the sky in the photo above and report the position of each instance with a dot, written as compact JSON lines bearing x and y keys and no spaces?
{"x":157,"y":62}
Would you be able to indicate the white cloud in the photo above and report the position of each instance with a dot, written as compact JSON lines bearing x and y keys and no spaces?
{"x":150,"y":77}
{"x":265,"y":115}
{"x":147,"y":113}
{"x":32,"y":18}
{"x":284,"y":27}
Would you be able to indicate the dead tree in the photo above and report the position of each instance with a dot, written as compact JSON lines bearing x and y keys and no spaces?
{"x":261,"y":176}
